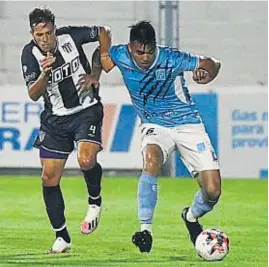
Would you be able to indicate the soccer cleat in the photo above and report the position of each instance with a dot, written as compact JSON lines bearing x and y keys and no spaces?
{"x":194,"y":228}
{"x":143,"y":240}
{"x":59,"y":246}
{"x":92,"y":219}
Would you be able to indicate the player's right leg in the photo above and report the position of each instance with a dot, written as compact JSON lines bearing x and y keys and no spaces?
{"x":54,"y":146}
{"x":156,"y":146}
{"x":52,"y":167}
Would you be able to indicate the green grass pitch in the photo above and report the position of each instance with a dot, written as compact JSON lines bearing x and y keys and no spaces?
{"x":25,"y":231}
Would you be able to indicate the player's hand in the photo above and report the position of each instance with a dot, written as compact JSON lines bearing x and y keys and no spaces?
{"x":86,"y":82}
{"x":201,"y":76}
{"x":46,"y":63}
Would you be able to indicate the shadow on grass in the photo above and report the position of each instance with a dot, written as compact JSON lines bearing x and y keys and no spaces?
{"x":43,"y":259}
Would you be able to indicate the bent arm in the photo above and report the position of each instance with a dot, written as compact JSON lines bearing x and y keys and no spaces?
{"x":104,"y":39}
{"x":105,"y":44}
{"x":96,"y":64}
{"x":37,"y":89}
{"x":211,"y":65}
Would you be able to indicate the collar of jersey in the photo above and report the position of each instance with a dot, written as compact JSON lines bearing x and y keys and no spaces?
{"x":153,"y":64}
{"x":56,"y":46}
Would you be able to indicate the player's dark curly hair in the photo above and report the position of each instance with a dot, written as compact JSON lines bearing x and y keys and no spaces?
{"x":143,"y":32}
{"x":41,"y":15}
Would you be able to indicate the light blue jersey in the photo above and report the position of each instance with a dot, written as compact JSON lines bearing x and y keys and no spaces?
{"x":159,"y":94}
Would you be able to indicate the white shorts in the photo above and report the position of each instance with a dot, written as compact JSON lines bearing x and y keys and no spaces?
{"x":190,"y":140}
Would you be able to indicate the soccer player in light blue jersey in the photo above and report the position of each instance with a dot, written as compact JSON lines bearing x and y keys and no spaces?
{"x":154,"y":77}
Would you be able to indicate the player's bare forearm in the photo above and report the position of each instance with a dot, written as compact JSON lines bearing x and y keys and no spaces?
{"x":214,"y":69}
{"x":104,"y":39}
{"x":96,"y":64}
{"x":105,"y":43}
{"x":211,"y":66}
{"x":37,"y":89}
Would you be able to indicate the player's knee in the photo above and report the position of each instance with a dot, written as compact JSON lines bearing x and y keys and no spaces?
{"x":87,"y":163}
{"x":211,"y":186}
{"x":212,"y":193}
{"x":153,"y":165}
{"x":50,"y":179}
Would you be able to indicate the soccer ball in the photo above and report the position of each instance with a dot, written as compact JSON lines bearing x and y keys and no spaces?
{"x":212,"y":245}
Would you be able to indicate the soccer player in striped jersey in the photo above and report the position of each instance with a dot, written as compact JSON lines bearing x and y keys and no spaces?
{"x":154,"y":77}
{"x":55,"y":68}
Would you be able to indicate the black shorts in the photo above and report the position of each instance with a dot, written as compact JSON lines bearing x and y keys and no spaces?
{"x":58,"y":133}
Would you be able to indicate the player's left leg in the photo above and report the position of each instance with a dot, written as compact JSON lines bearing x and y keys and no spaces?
{"x":199,"y":157}
{"x":87,"y":128}
{"x":204,"y":201}
{"x":208,"y":194}
{"x":92,"y":170}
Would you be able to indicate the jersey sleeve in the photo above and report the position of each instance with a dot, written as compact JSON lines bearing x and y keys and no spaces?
{"x":115,"y":53}
{"x":184,"y":61}
{"x":81,"y":35}
{"x":30,"y":66}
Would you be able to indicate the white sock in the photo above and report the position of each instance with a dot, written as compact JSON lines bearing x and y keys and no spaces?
{"x":146,"y":227}
{"x":190,"y":217}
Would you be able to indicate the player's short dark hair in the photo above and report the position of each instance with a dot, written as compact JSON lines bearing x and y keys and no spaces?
{"x":143,"y":32}
{"x":41,"y":15}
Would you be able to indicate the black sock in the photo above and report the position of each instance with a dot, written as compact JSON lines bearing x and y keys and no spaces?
{"x":95,"y":201}
{"x":54,"y":202}
{"x":64,"y":234}
{"x":93,"y":180}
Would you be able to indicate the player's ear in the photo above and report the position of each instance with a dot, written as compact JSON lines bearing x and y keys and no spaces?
{"x":129,"y":47}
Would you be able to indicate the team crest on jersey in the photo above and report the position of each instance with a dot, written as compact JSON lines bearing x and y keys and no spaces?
{"x":160,"y":75}
{"x":67,"y":47}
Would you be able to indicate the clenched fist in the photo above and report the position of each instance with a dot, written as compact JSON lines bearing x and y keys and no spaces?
{"x":46,"y":63}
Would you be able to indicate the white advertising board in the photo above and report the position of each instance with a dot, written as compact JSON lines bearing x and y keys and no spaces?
{"x":243,"y":134}
{"x":241,"y":131}
{"x":19,"y":123}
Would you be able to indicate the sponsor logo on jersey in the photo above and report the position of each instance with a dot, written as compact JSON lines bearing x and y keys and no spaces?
{"x":24,"y":67}
{"x":41,"y":135}
{"x":30,"y":77}
{"x":65,"y":71}
{"x":214,"y":155}
{"x":93,"y":32}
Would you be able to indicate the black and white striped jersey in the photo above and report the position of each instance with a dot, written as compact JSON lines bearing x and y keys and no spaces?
{"x":61,"y":96}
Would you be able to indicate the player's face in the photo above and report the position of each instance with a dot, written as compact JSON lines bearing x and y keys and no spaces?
{"x":144,"y":55}
{"x":44,"y":35}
